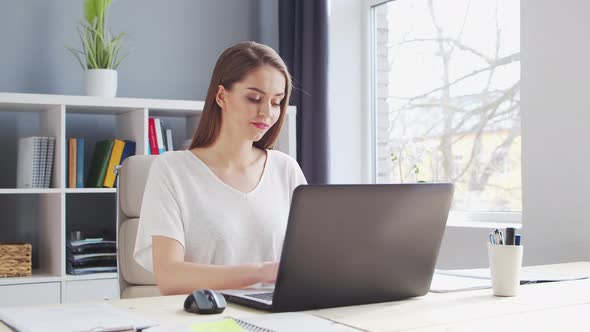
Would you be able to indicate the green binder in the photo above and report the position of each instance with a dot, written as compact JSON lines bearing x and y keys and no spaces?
{"x":100,"y":161}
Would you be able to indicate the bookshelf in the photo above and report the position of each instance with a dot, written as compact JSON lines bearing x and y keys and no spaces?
{"x":44,"y":216}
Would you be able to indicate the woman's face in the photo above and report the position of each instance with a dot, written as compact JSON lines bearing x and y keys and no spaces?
{"x":252,"y":106}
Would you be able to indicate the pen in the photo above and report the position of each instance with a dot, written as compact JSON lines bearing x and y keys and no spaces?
{"x":509,"y":236}
{"x":491,"y":236}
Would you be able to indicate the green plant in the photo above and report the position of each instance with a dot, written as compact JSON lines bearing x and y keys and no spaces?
{"x":99,"y":49}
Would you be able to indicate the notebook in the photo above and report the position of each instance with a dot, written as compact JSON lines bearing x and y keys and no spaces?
{"x":283,"y":322}
{"x":89,"y":317}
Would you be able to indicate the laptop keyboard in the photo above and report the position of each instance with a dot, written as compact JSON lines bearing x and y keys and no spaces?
{"x":262,"y":296}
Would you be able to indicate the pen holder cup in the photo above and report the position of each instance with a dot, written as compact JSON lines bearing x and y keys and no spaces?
{"x":505,"y":264}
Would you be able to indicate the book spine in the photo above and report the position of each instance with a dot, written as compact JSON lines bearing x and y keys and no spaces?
{"x":152,"y":137}
{"x":80,"y":162}
{"x":116,"y":154}
{"x":104,"y":162}
{"x":98,"y":165}
{"x":161,"y":146}
{"x":36,"y":161}
{"x":43,"y":161}
{"x":49,"y":166}
{"x":170,"y":146}
{"x":24,"y":177}
{"x":72,"y":159}
{"x":164,"y":140}
{"x":128,"y":150}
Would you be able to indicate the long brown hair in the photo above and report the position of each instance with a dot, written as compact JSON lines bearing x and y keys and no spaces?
{"x":231,"y":67}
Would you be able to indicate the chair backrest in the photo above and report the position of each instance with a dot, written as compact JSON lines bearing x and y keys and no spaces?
{"x":134,"y":280}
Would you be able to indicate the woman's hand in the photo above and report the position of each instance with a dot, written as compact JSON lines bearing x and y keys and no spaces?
{"x":268,"y":272}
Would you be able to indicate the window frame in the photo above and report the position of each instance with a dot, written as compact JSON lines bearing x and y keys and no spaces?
{"x":456,"y":218}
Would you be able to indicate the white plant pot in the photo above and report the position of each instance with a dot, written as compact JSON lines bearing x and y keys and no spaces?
{"x":100,"y":82}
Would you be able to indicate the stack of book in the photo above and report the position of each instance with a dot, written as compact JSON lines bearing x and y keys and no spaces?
{"x":107,"y":155}
{"x":92,"y":255}
{"x":160,"y":139}
{"x":35,"y":162}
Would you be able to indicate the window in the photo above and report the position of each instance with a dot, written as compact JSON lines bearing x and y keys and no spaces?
{"x":446,"y":99}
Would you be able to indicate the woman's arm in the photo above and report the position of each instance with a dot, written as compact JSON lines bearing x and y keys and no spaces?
{"x":175,"y":276}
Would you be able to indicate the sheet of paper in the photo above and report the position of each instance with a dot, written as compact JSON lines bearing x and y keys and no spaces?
{"x":442,"y":283}
{"x":525,"y":275}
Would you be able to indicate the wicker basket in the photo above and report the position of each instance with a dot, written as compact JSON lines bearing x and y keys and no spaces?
{"x":15,"y":259}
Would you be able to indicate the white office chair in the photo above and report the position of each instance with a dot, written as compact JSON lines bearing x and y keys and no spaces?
{"x":134,"y":280}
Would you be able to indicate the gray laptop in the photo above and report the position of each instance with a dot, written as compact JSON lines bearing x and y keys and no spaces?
{"x":356,"y":244}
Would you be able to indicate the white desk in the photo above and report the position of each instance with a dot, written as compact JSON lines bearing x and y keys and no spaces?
{"x":560,"y":306}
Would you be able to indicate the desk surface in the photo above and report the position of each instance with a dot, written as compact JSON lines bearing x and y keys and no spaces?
{"x":559,"y":306}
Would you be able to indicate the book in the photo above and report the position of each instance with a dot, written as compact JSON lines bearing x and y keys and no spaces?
{"x":152,"y":137}
{"x":27,"y":159}
{"x":98,"y":166}
{"x":164,"y":141}
{"x":72,"y":159}
{"x":169,"y":145}
{"x":37,"y":162}
{"x":43,"y":162}
{"x":49,"y":167}
{"x":128,"y":150}
{"x":80,"y":142}
{"x":115,"y":159}
{"x":160,"y":140}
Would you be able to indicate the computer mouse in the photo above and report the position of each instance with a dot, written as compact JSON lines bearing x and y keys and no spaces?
{"x":205,"y":301}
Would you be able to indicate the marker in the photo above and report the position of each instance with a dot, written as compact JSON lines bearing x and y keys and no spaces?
{"x":509,"y":236}
{"x":517,"y":238}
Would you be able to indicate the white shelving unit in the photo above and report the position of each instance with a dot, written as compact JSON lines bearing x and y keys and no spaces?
{"x":45,"y":216}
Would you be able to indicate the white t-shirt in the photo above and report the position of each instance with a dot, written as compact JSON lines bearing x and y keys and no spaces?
{"x":215,"y":223}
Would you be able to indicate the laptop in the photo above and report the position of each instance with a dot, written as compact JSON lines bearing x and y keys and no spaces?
{"x":355,"y":244}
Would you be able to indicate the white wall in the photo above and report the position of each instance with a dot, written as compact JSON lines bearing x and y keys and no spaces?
{"x":555,"y":108}
{"x":555,"y":119}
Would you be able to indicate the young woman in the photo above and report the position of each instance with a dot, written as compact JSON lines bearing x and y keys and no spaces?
{"x":214,"y":216}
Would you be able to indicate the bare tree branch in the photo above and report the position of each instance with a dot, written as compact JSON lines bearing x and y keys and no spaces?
{"x":453,"y":42}
{"x":458,"y":38}
{"x":498,"y":155}
{"x":500,"y":62}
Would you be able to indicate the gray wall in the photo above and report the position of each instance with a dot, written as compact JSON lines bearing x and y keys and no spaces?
{"x":175,"y":43}
{"x":555,"y":135}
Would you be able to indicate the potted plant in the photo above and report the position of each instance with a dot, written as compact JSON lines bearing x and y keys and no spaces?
{"x":100,"y":53}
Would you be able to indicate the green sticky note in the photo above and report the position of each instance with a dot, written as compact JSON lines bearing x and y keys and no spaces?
{"x":224,"y":325}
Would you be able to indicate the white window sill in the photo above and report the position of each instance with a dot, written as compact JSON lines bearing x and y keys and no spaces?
{"x":485,"y":220}
{"x":482,"y":224}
